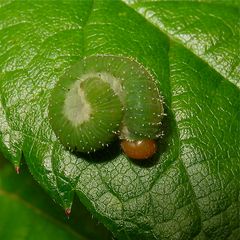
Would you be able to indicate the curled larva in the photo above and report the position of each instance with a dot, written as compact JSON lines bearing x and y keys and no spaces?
{"x":102,"y":97}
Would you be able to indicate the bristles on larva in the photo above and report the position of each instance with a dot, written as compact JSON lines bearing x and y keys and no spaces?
{"x":104,"y":96}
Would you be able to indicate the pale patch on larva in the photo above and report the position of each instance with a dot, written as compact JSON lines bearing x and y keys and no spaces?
{"x":76,"y":108}
{"x":115,"y":83}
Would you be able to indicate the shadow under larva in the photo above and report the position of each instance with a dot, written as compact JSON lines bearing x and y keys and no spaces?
{"x":102,"y":98}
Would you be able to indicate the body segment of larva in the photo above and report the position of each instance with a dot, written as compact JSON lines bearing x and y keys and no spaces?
{"x":102,"y":97}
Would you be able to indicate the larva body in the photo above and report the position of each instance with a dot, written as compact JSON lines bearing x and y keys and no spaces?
{"x":102,"y":97}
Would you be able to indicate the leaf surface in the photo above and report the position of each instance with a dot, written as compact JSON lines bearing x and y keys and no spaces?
{"x":191,"y":188}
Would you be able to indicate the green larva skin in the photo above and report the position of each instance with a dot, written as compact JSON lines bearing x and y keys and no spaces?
{"x":102,"y":97}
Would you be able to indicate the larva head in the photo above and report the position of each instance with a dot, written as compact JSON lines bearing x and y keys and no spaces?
{"x":140,"y":149}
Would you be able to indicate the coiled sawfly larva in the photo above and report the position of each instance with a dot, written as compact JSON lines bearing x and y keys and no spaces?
{"x":102,"y":97}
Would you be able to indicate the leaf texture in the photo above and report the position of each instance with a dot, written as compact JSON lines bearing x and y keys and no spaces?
{"x":191,"y":189}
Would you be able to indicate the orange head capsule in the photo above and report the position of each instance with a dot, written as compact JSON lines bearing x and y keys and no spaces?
{"x":140,"y":149}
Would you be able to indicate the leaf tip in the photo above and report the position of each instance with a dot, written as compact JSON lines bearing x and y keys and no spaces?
{"x":68,"y":212}
{"x":17,"y":169}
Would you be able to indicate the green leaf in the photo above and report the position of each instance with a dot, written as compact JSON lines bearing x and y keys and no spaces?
{"x":210,"y":31}
{"x":191,"y":189}
{"x":28,"y":213}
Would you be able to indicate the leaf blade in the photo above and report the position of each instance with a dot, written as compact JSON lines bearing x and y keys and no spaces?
{"x":131,"y":201}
